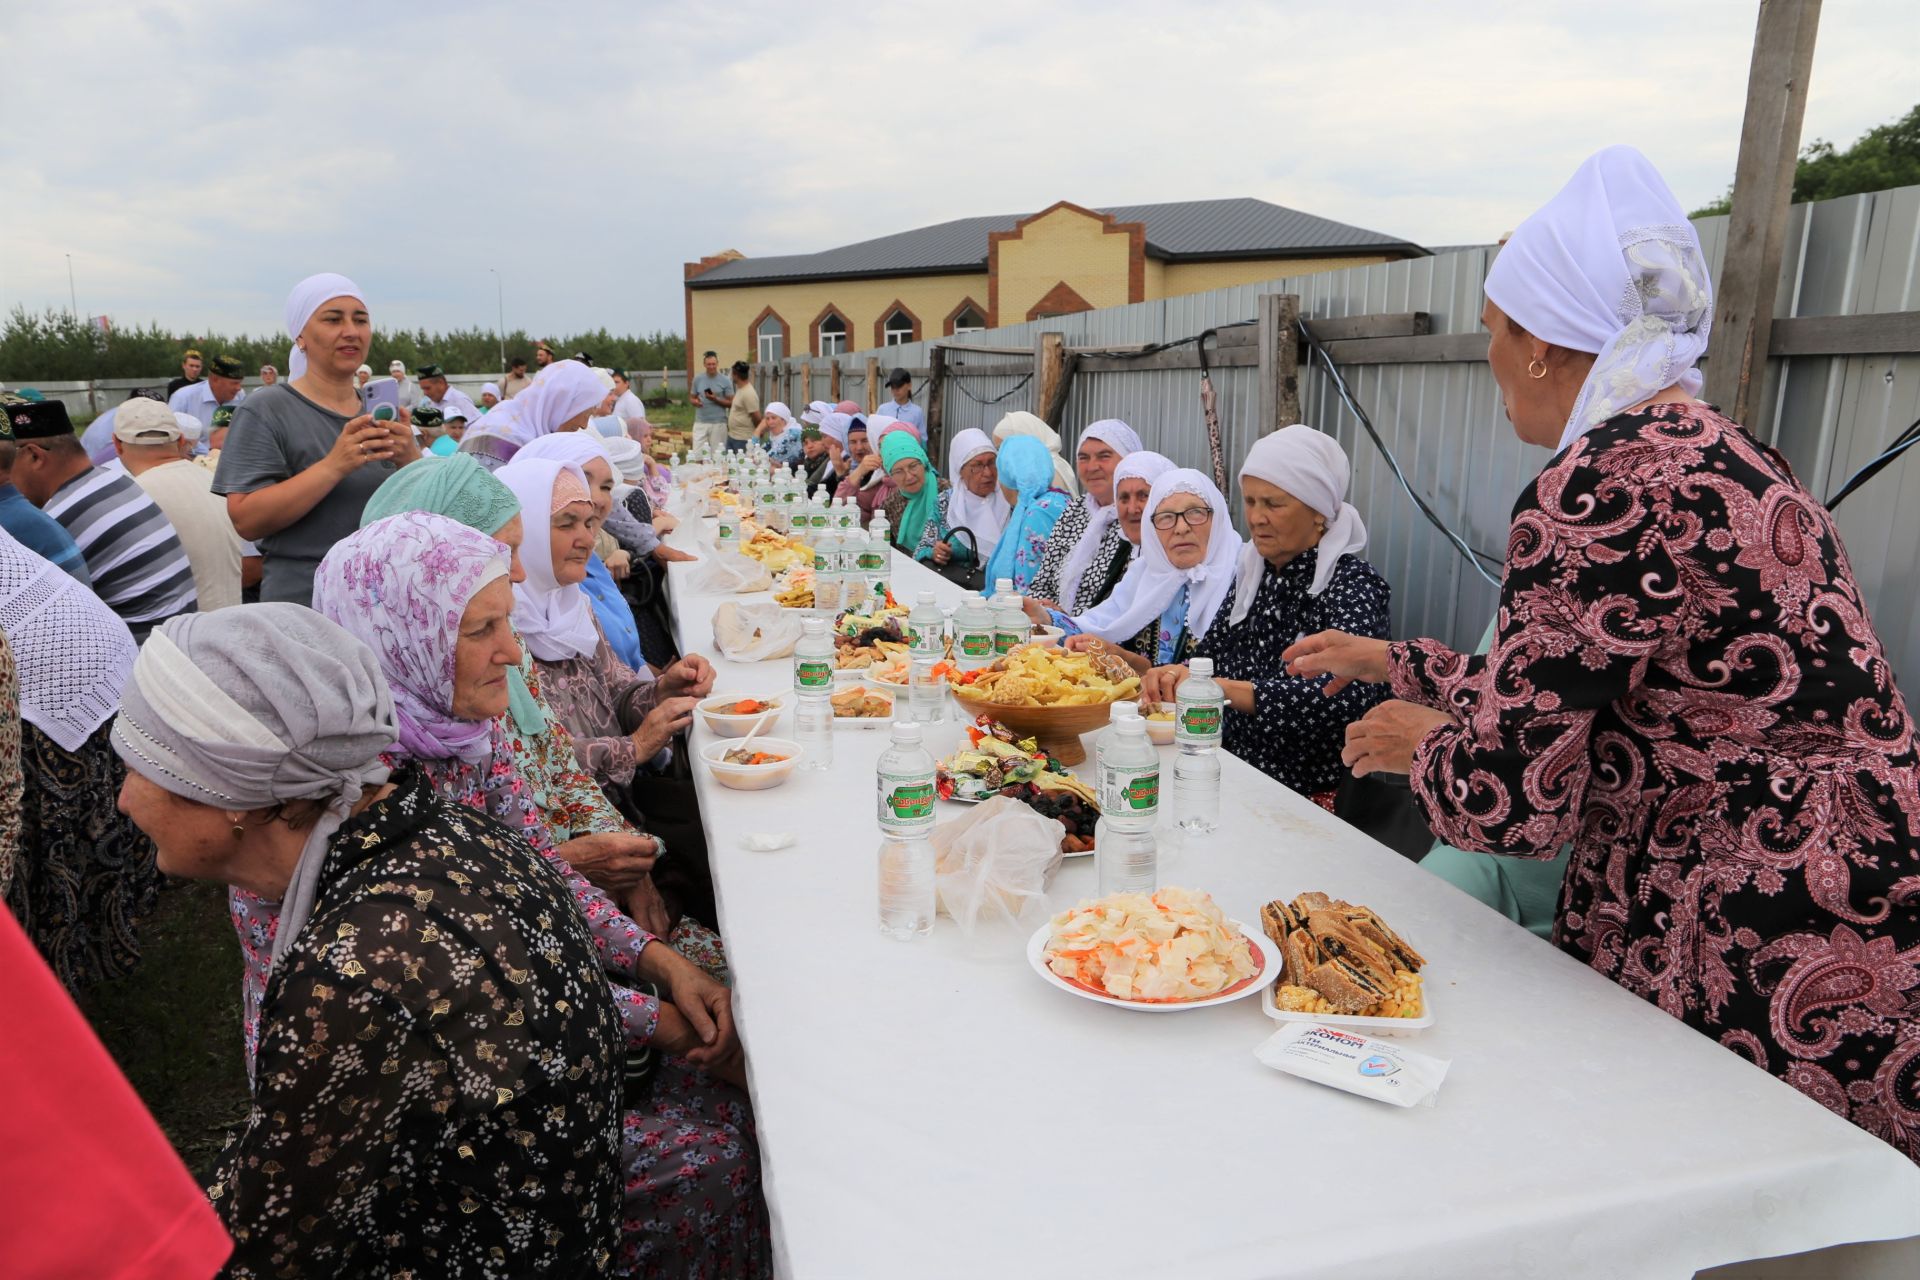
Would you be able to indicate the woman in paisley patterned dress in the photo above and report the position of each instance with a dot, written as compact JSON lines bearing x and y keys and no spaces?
{"x":437,"y":1085}
{"x":1685,"y":683}
{"x":84,"y":876}
{"x":1087,"y":541}
{"x":692,"y":1205}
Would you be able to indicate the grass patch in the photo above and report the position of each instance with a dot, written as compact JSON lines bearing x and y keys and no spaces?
{"x":173,"y":1025}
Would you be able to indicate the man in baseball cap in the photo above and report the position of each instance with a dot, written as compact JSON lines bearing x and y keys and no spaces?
{"x":147,"y":436}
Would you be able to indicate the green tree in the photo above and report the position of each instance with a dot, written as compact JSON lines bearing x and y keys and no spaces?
{"x":58,"y":346}
{"x":1883,"y":157}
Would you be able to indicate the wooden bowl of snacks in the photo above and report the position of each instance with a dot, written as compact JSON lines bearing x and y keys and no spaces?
{"x":1049,"y":694}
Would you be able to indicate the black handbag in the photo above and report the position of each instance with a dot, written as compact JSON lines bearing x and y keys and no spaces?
{"x":969,"y":574}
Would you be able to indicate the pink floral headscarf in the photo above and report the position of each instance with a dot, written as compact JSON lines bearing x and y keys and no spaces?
{"x":400,"y":586}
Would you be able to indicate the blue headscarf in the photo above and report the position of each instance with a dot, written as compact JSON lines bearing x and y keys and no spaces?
{"x":614,"y":613}
{"x":1026,"y":467}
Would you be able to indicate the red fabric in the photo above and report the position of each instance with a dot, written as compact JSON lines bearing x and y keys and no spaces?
{"x":89,"y":1186}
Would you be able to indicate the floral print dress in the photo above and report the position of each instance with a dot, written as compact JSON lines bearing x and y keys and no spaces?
{"x":437,"y":1083}
{"x":1686,"y":686}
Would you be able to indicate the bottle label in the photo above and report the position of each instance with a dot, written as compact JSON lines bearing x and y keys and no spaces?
{"x":727,"y":530}
{"x":976,"y":644}
{"x":871,"y":560}
{"x":819,"y":522}
{"x":813,"y":673}
{"x":906,"y":802}
{"x":1130,"y":792}
{"x":1004,"y":641}
{"x":822,"y":562}
{"x":1199,"y":721}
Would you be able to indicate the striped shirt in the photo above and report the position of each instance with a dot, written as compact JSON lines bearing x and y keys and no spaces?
{"x":138,"y":565}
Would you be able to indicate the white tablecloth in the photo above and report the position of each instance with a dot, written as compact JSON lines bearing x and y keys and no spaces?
{"x":933,"y":1109}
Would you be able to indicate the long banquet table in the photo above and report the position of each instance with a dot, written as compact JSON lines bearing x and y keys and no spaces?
{"x":933,"y":1109}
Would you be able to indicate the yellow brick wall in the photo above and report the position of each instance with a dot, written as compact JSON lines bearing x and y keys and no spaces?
{"x":1198,"y":277}
{"x":721,"y":316}
{"x":1063,"y":245}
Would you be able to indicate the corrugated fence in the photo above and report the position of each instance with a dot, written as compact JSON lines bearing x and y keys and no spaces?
{"x":1443,"y":421}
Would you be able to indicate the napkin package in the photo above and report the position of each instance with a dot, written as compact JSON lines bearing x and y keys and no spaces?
{"x":1373,"y":1068}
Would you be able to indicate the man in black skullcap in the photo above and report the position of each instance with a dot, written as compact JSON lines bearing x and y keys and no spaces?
{"x":133,"y":554}
{"x":220,"y":390}
{"x":449,"y":400}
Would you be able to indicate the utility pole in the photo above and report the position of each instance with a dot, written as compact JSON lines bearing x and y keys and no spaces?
{"x":73,"y":298}
{"x":500,"y":297}
{"x":1762,"y":195}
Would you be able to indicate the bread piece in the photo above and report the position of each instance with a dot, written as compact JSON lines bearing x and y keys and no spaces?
{"x":1375,"y":930}
{"x":1336,"y":985}
{"x":1276,"y":922}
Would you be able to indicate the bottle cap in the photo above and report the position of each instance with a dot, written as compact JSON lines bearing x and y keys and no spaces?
{"x":813,"y":626}
{"x":1126,"y":711}
{"x":925,"y":597}
{"x":906,"y":732}
{"x":1201,"y":667}
{"x":1002,"y":584}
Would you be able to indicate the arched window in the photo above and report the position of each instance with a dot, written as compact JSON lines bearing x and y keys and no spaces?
{"x":969,"y":321}
{"x":833,"y":335}
{"x":771,"y":339}
{"x":897,"y":330}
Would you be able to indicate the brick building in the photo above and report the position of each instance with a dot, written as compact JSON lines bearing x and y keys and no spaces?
{"x":977,"y":273}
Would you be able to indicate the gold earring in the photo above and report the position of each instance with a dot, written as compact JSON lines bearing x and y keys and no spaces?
{"x":239,"y":832}
{"x":1532,"y":364}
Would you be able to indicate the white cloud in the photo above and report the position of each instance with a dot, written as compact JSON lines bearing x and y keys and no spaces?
{"x":196,"y":159}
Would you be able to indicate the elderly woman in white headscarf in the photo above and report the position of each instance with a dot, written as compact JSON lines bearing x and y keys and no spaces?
{"x":253,"y":741}
{"x":1684,"y":684}
{"x":1086,"y":544}
{"x":562,"y":398}
{"x":1022,"y":423}
{"x":971,"y":501}
{"x":1300,"y":572}
{"x":303,"y":455}
{"x":1175,"y":591}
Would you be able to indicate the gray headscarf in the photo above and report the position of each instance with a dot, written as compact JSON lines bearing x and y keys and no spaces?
{"x":246,"y":708}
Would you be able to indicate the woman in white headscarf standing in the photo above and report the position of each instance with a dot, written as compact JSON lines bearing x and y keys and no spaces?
{"x":1087,"y":535}
{"x":1175,"y":591}
{"x":1300,"y":572}
{"x":1684,"y":684}
{"x":1022,"y":423}
{"x":303,"y":456}
{"x":562,"y":398}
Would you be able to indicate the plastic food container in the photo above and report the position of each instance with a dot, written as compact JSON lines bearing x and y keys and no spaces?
{"x":752,"y":777}
{"x":729,"y":724}
{"x":1159,"y":732}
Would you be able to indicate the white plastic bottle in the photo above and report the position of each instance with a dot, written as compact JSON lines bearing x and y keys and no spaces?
{"x":827,"y":579}
{"x":1199,"y":707}
{"x":904,"y":784}
{"x":816,"y":517}
{"x":1125,"y":853}
{"x":853,"y":587}
{"x":926,"y":691}
{"x":1011,"y":625}
{"x":728,"y":535}
{"x":813,"y":695}
{"x":845,"y":515}
{"x":927,"y":628}
{"x":973,"y":632}
{"x":876,"y":561}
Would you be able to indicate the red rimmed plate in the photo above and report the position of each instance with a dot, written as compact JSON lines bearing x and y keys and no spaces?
{"x":1266,"y":957}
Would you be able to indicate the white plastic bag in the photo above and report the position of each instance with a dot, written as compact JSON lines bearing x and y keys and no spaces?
{"x":994,"y":863}
{"x":722,"y":573}
{"x":755,"y":632}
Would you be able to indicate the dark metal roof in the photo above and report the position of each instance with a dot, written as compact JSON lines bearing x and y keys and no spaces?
{"x":1192,"y":229}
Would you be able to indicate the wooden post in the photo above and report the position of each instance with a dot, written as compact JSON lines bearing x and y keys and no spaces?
{"x":936,"y":402}
{"x":1049,"y":364}
{"x":1279,"y":347}
{"x":1762,"y":195}
{"x":833,"y":382}
{"x":873,"y":384}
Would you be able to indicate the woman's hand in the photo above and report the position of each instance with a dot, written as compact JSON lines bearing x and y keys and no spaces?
{"x":1037,"y":612}
{"x":942,"y":553}
{"x":1084,"y":643}
{"x":668,"y":717}
{"x":619,"y":564}
{"x":664,"y":554}
{"x":1383,"y":740}
{"x":616,"y":861}
{"x":361,"y":441}
{"x":868,"y":465}
{"x":1159,"y":684}
{"x":1347,"y":658}
{"x":648,"y":909}
{"x":665,"y":522}
{"x":706,"y":1006}
{"x":691,"y":676}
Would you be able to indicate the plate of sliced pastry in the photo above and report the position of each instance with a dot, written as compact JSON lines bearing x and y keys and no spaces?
{"x":1343,"y":966}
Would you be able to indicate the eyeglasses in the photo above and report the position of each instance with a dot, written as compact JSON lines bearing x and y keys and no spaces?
{"x":1192,"y":517}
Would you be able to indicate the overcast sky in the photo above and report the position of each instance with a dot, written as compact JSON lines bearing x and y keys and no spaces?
{"x":197,"y":158}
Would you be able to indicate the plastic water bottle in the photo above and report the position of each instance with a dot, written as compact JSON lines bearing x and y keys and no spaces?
{"x":845,"y":515}
{"x":1128,"y":768}
{"x":813,"y":694}
{"x":853,"y":583}
{"x":927,"y":628}
{"x":926,"y":691}
{"x":904,"y":782}
{"x":816,"y":517}
{"x":729,"y":534}
{"x":827,"y":579}
{"x":876,"y":560}
{"x":1199,"y":706}
{"x":1010,"y":623}
{"x":973,"y":632}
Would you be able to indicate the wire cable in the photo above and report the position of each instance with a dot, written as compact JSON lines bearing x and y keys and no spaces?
{"x":1901,"y":443}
